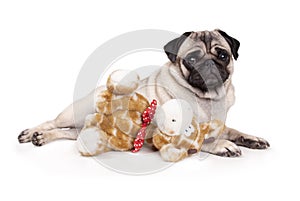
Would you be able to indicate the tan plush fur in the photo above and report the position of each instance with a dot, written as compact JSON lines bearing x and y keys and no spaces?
{"x":118,"y":120}
{"x":175,"y":148}
{"x":118,"y":117}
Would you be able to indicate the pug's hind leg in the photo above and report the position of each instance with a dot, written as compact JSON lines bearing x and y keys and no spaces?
{"x":42,"y":137}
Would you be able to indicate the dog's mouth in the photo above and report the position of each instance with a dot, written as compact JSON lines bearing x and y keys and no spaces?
{"x":208,"y":75}
{"x":213,"y":80}
{"x":209,"y":82}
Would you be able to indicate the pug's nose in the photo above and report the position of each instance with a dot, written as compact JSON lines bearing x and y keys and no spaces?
{"x":210,"y":63}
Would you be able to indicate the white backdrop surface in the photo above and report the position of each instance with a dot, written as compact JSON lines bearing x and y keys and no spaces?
{"x":43,"y":46}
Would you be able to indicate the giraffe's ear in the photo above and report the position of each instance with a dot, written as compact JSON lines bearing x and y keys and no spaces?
{"x":122,"y":82}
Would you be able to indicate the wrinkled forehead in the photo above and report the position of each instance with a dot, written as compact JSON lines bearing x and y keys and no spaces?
{"x":205,"y":40}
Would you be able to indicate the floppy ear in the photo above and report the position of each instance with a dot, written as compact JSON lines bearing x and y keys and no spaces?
{"x":172,"y":47}
{"x":233,"y":43}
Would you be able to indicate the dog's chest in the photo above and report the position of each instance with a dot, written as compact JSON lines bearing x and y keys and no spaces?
{"x":167,"y":83}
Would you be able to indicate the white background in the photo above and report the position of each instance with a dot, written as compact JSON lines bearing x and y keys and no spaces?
{"x":42,"y":49}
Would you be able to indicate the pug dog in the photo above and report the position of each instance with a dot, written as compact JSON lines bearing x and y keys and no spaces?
{"x":199,"y":71}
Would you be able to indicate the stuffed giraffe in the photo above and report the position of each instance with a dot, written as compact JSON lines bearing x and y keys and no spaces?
{"x":119,"y":120}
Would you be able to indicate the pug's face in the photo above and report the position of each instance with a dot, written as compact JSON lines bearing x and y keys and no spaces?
{"x":205,"y":58}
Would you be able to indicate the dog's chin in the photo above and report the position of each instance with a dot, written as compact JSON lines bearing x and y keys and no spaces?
{"x":207,"y":85}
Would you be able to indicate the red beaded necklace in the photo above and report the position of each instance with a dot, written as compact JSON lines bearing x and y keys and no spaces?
{"x":147,"y":117}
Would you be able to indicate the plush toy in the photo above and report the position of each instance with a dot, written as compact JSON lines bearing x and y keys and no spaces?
{"x":118,"y":118}
{"x":125,"y":118}
{"x":178,"y":134}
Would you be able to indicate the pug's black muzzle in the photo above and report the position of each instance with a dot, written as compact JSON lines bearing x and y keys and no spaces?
{"x":208,"y":75}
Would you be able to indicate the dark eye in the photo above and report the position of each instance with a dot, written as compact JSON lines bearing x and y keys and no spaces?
{"x":173,"y":120}
{"x":193,"y":57}
{"x":222,"y":55}
{"x":192,"y":60}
